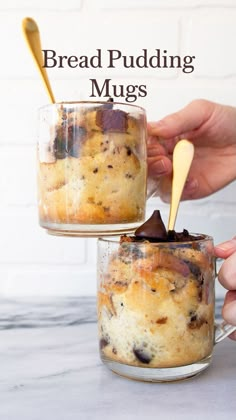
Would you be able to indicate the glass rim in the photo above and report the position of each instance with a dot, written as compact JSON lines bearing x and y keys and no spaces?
{"x":116,"y":240}
{"x":83,"y":102}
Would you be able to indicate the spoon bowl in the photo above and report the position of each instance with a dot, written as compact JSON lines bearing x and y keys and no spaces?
{"x":32,"y":37}
{"x":182,"y":159}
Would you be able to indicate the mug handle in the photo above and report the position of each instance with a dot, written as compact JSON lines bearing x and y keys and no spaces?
{"x":223,"y":329}
{"x":155,"y":185}
{"x":152,"y":187}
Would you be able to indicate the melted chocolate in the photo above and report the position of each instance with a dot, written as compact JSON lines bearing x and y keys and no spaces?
{"x":154,"y":230}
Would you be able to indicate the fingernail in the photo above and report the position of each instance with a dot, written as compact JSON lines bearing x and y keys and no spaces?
{"x":227,"y":246}
{"x":156,"y":124}
{"x":159,"y":167}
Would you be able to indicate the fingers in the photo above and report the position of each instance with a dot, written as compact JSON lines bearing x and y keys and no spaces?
{"x":225,"y":249}
{"x":184,"y":121}
{"x":158,"y":162}
{"x":233,"y":336}
{"x":227,"y":273}
{"x":159,"y":166}
{"x":229,"y":310}
{"x":227,"y":277}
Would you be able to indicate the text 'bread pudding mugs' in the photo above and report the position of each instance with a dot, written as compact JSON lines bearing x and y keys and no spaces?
{"x":156,"y":303}
{"x":92,"y":169}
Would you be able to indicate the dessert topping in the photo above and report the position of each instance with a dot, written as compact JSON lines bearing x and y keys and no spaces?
{"x":153,"y":228}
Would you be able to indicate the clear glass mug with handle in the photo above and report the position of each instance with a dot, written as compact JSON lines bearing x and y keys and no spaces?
{"x":156,"y":307}
{"x":92,"y":168}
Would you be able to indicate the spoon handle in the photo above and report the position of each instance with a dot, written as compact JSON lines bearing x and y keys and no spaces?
{"x":32,"y":37}
{"x":182,"y":159}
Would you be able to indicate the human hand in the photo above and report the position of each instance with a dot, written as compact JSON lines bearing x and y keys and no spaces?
{"x":212,"y":129}
{"x":227,"y":277}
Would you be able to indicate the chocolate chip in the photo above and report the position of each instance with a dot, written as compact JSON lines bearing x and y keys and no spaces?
{"x":128,"y":176}
{"x":142,"y":355}
{"x":121,"y":283}
{"x":196,"y":322}
{"x":95,"y":170}
{"x":129,"y":151}
{"x":162,"y":320}
{"x":103,"y":343}
{"x":184,"y":236}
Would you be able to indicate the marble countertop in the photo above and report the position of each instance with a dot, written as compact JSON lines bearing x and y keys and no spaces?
{"x":50,"y":369}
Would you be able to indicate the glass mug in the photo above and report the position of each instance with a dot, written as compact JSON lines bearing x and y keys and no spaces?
{"x":156,"y":308}
{"x":92,"y":169}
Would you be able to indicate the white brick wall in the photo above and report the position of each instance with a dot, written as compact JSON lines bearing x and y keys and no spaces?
{"x":32,"y":262}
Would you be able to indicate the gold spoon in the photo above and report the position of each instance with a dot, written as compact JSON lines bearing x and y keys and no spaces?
{"x":182,"y":159}
{"x":32,"y":37}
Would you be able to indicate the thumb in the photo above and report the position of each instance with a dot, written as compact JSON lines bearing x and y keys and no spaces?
{"x":225,"y":249}
{"x":187,"y":119}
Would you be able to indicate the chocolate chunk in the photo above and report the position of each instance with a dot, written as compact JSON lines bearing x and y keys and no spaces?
{"x":103,"y":343}
{"x":60,"y":143}
{"x":129,"y":151}
{"x":153,"y":228}
{"x":129,"y":253}
{"x":196,"y":322}
{"x":112,"y":120}
{"x":162,"y":320}
{"x":195,"y":270}
{"x":68,"y":141}
{"x":184,"y":236}
{"x":76,"y":136}
{"x":142,"y":355}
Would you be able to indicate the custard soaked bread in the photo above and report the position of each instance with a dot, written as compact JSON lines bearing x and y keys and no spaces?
{"x":93,"y":168}
{"x":155,"y":302}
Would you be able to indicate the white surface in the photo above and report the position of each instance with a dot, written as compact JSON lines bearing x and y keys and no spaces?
{"x":50,"y":369}
{"x":30,"y":261}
